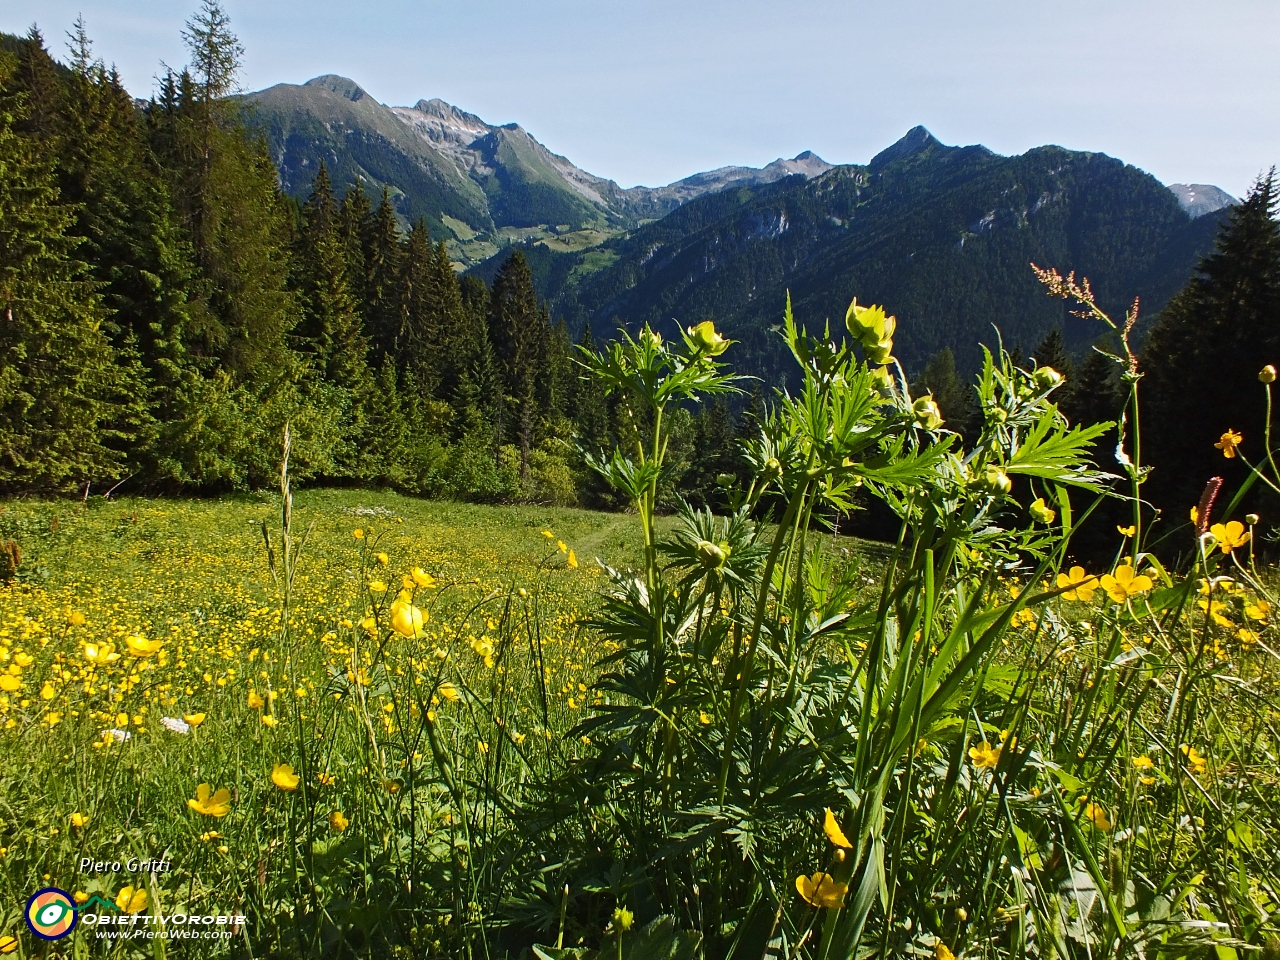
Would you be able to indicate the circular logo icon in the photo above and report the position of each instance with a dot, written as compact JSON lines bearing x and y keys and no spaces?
{"x":51,"y":913}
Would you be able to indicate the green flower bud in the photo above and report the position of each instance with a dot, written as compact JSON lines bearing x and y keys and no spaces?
{"x":1040,"y":512}
{"x":623,"y":918}
{"x":706,"y":340}
{"x":878,"y":351}
{"x":1252,"y":519}
{"x":882,"y":381}
{"x":927,"y":413}
{"x":1267,"y":374}
{"x":651,"y":338}
{"x":726,"y":480}
{"x":772,"y":469}
{"x":869,"y":323}
{"x":1046,"y":378}
{"x":996,"y":480}
{"x":711,"y":556}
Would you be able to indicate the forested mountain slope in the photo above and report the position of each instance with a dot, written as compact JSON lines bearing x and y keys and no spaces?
{"x":941,"y":235}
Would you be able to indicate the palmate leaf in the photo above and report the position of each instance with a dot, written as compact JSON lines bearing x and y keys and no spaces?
{"x":1061,"y":456}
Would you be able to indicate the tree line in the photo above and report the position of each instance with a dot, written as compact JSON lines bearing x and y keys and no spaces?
{"x":165,"y":309}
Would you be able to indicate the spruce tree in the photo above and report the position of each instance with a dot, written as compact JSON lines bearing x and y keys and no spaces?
{"x":1052,"y":352}
{"x":518,"y":330}
{"x":382,"y":293}
{"x":1201,"y":361}
{"x":65,"y":395}
{"x":952,"y":395}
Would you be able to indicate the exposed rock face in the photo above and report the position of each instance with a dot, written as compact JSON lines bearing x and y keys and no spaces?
{"x":1201,"y":198}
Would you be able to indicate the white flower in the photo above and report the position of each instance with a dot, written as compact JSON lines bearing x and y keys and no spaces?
{"x":175,"y":724}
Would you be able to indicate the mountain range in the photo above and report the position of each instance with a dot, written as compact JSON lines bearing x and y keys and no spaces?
{"x":941,"y":234}
{"x":478,"y":185}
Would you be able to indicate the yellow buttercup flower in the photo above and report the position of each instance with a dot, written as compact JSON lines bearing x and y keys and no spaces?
{"x":561,"y":546}
{"x":821,"y":890}
{"x":9,"y":683}
{"x":704,"y":717}
{"x":422,"y":578}
{"x":1200,"y":763}
{"x":338,"y":822}
{"x":8,"y":944}
{"x":449,"y":691}
{"x":832,"y":829}
{"x":79,"y":819}
{"x":1082,"y":584}
{"x":141,"y":647}
{"x":377,"y":586}
{"x":100,"y":653}
{"x":548,"y":534}
{"x":75,"y":619}
{"x":358,"y":533}
{"x":194,"y":719}
{"x":1143,"y":763}
{"x":1124,"y":583}
{"x":1128,"y":531}
{"x":132,"y":900}
{"x":573,"y":560}
{"x":268,"y":720}
{"x":282,"y":776}
{"x":211,"y":804}
{"x":942,"y":952}
{"x":407,"y":620}
{"x":985,"y":756}
{"x":1258,"y":610}
{"x":255,"y":700}
{"x":1228,"y":443}
{"x":1097,"y":815}
{"x":1040,"y":511}
{"x":1230,"y":535}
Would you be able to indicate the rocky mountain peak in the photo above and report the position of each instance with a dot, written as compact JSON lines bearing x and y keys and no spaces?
{"x":915,"y":140}
{"x":342,"y":86}
{"x":1197,"y":199}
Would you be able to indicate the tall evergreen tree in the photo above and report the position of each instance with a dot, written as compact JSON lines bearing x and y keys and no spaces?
{"x":518,"y":330}
{"x":953,"y":396}
{"x":1204,"y":353}
{"x":65,"y":396}
{"x":382,"y":296}
{"x":1052,"y":352}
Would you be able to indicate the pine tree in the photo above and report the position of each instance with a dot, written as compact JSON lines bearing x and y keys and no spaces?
{"x":1204,"y":353}
{"x":1052,"y":352}
{"x":518,"y":330}
{"x":64,"y":394}
{"x":382,"y":294}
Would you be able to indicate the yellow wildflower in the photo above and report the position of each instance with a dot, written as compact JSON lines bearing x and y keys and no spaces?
{"x":358,"y":533}
{"x":100,"y":653}
{"x":985,"y":756}
{"x":79,"y":819}
{"x":1143,"y":763}
{"x":407,"y":620}
{"x":377,"y":586}
{"x":1097,"y":815}
{"x":194,"y":719}
{"x":1230,"y":535}
{"x":1124,"y":584}
{"x":422,"y":578}
{"x":1128,"y":531}
{"x":282,"y":776}
{"x":1082,"y":584}
{"x":132,"y":900}
{"x":1200,"y":763}
{"x":449,"y":691}
{"x":1228,"y":443}
{"x":8,"y":944}
{"x":9,"y":683}
{"x":338,"y":822}
{"x":706,"y":340}
{"x":832,"y":829}
{"x":573,"y":560}
{"x":1258,"y":610}
{"x":255,"y":700}
{"x":821,"y":890}
{"x":1040,"y":511}
{"x":211,"y":805}
{"x":942,"y":952}
{"x":268,"y":720}
{"x":141,"y":647}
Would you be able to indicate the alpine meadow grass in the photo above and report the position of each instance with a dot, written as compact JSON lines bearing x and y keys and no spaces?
{"x":378,"y":727}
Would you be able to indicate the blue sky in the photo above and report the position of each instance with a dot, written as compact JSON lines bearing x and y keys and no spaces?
{"x":651,"y":92}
